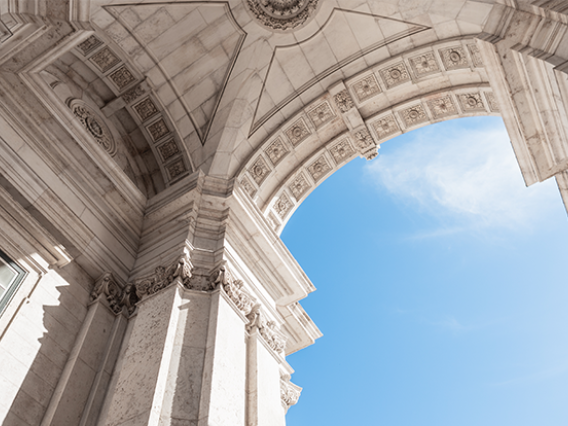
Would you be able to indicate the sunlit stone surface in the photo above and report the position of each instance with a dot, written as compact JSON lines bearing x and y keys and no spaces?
{"x":151,"y":154}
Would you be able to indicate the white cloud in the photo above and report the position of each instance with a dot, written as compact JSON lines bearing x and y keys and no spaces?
{"x":470,"y":176}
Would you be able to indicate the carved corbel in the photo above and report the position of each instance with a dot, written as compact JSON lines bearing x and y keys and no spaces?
{"x":289,"y":393}
{"x":234,"y":289}
{"x":267,"y":329}
{"x":109,"y":288}
{"x":162,"y":277}
{"x":365,"y":143}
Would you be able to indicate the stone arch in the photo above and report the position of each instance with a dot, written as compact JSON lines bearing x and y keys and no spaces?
{"x":433,"y":83}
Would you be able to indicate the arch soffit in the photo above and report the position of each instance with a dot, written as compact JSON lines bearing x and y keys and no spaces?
{"x":438,"y":82}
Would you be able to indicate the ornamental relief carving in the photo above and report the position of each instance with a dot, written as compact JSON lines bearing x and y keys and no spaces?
{"x":454,"y":58}
{"x":89,"y":45}
{"x":395,"y":75}
{"x":471,"y":102}
{"x":276,"y":151}
{"x":492,"y":102}
{"x":442,"y":107}
{"x":475,"y":55}
{"x":424,"y":64}
{"x":319,"y":168}
{"x":259,"y":171}
{"x":242,"y":299}
{"x":299,"y":186}
{"x":341,"y":151}
{"x":414,"y":115}
{"x":343,"y":101}
{"x":366,"y":88}
{"x":282,"y":14}
{"x":297,"y":132}
{"x":122,"y":77}
{"x":289,"y":393}
{"x":94,"y":124}
{"x":268,"y":329}
{"x":104,"y":59}
{"x":162,"y":277}
{"x":365,"y":144}
{"x":386,"y":126}
{"x":282,"y":206}
{"x":107,"y":287}
{"x":247,"y":186}
{"x":321,"y":114}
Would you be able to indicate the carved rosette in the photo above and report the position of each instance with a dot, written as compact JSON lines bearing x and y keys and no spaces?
{"x":289,"y":393}
{"x":343,"y":101}
{"x":94,"y":124}
{"x":282,"y":14}
{"x":162,"y":277}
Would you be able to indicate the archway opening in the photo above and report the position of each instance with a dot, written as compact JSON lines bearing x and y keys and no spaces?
{"x":440,"y":283}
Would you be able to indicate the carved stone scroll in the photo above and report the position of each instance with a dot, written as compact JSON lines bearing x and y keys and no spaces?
{"x":267,"y":329}
{"x":163,"y":277}
{"x":234,"y":289}
{"x":107,"y":287}
{"x":289,"y":393}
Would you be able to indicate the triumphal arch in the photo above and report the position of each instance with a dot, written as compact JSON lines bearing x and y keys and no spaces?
{"x":152,"y":151}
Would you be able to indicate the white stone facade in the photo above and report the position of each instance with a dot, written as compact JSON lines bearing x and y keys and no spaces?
{"x":151,"y":153}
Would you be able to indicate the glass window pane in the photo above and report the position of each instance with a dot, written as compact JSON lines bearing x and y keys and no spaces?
{"x":7,"y":274}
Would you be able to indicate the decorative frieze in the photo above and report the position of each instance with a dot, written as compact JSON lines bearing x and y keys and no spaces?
{"x":158,"y":129}
{"x":276,"y":151}
{"x":442,"y":107}
{"x":282,"y":206}
{"x":414,"y":115}
{"x":297,"y":132}
{"x":94,"y":124}
{"x":343,"y":101}
{"x":385,"y":127}
{"x":395,"y":75}
{"x":259,"y":171}
{"x":289,"y":393}
{"x":104,"y":59}
{"x":107,"y":287}
{"x":145,"y":109}
{"x":454,"y":58}
{"x":122,"y":77}
{"x":492,"y":102}
{"x":162,"y":277}
{"x":282,"y":14}
{"x":89,"y":44}
{"x":475,"y":55}
{"x":299,"y":186}
{"x":341,"y":151}
{"x":321,"y":114}
{"x":365,"y":144}
{"x":233,"y":288}
{"x":319,"y":168}
{"x":366,"y":88}
{"x":424,"y":64}
{"x":471,"y":102}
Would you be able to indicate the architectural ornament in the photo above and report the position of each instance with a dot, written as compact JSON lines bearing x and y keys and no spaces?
{"x":365,"y":144}
{"x":366,"y":88}
{"x":223,"y":278}
{"x":94,"y":124}
{"x":282,"y":14}
{"x":267,"y":329}
{"x":289,"y":393}
{"x":343,"y":101}
{"x":107,"y":287}
{"x":162,"y":277}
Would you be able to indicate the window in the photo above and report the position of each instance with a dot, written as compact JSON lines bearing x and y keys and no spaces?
{"x":11,"y":276}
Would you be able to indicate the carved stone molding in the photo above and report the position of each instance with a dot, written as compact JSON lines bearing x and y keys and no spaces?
{"x":107,"y":287}
{"x":366,"y":88}
{"x":282,"y":14}
{"x":283,"y":206}
{"x":276,"y":151}
{"x":259,"y":171}
{"x":267,"y":329}
{"x":163,"y":276}
{"x":94,"y":124}
{"x":341,"y":151}
{"x":289,"y":393}
{"x":242,"y":299}
{"x":297,"y":132}
{"x":299,"y":186}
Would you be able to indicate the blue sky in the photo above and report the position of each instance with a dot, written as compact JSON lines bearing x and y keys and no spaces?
{"x":442,"y":290}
